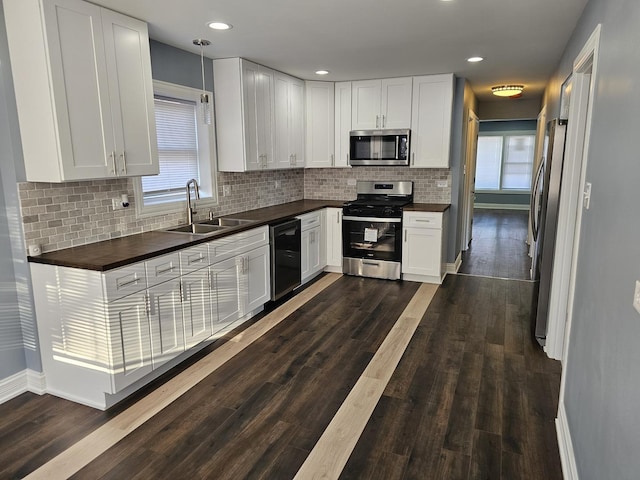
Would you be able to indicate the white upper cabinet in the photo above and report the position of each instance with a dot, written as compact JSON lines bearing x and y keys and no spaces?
{"x":320,"y":124}
{"x":289,"y":121}
{"x":431,"y":121}
{"x":84,"y":91}
{"x":259,"y":117}
{"x":343,"y":123}
{"x":382,"y":103}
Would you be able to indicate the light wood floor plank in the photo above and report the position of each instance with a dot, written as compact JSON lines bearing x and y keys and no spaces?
{"x":330,"y":454}
{"x":90,"y":447}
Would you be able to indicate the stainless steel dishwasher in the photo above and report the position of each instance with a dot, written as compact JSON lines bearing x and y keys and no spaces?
{"x":286,"y":268}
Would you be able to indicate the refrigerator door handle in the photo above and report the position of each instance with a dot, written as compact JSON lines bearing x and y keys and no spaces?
{"x":535,"y":217}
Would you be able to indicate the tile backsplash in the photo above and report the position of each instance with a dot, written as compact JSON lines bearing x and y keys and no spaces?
{"x":331,"y":183}
{"x":61,"y":215}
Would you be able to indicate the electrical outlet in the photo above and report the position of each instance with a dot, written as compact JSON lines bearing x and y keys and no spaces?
{"x":116,"y":204}
{"x":636,"y":297}
{"x":442,"y":184}
{"x":226,"y":190}
{"x":351,"y":182}
{"x":278,"y":184}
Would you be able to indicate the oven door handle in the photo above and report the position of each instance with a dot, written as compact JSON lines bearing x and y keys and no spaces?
{"x":372,"y":219}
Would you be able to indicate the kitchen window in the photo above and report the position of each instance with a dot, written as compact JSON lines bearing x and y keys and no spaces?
{"x":185,"y":151}
{"x":504,"y":162}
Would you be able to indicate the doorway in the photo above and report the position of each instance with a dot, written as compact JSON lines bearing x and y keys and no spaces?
{"x":497,"y":197}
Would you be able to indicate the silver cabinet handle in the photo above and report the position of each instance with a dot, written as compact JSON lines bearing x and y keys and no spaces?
{"x":128,"y":282}
{"x":347,"y":158}
{"x":114,"y":168}
{"x":124,"y":163}
{"x":377,"y":121}
{"x":152,"y":305}
{"x":212,"y":281}
{"x":405,"y":235}
{"x":413,"y":158}
{"x":195,"y":258}
{"x":164,"y":270}
{"x":338,"y":218}
{"x":333,"y":163}
{"x":383,"y":121}
{"x":422,"y":220}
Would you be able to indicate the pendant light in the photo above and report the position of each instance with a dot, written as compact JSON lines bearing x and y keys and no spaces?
{"x":205,"y":104}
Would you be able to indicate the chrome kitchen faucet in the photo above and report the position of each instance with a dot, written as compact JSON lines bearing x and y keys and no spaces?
{"x":190,"y":210}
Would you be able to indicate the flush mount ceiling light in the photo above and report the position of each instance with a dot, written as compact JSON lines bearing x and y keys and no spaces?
{"x":220,"y":25}
{"x":322,"y":72}
{"x":474,"y":59}
{"x":205,"y":105}
{"x":507,"y":90}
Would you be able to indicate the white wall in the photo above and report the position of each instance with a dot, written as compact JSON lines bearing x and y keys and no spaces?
{"x":602,"y":371}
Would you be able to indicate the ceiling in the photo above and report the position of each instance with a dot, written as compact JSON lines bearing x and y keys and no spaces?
{"x":521,"y":40}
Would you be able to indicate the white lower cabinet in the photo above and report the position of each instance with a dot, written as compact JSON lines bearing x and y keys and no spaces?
{"x":423,"y":247}
{"x":225,"y":295}
{"x":130,"y":338}
{"x":333,"y":239}
{"x":313,"y":245}
{"x":103,"y":335}
{"x":165,"y":319}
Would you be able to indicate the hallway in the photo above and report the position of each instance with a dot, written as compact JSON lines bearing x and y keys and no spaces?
{"x":499,"y":245}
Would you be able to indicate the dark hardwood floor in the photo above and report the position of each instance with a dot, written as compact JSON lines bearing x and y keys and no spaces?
{"x":471,"y":398}
{"x":499,"y":245}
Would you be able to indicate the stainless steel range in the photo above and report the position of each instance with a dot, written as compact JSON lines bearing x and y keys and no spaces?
{"x":372,"y":229}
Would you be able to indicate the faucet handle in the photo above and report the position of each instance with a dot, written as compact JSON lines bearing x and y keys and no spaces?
{"x":210,"y":214}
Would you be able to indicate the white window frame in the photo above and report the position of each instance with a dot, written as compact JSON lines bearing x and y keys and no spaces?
{"x":206,"y":158}
{"x":503,"y":134}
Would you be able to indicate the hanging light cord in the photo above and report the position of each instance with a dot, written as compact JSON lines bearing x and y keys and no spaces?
{"x":202,"y":64}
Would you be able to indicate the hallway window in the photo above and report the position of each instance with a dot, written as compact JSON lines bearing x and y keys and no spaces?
{"x":504,"y":162}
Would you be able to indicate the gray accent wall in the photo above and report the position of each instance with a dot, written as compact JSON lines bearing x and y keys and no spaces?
{"x":173,"y":65}
{"x":602,"y":371}
{"x":18,"y":336}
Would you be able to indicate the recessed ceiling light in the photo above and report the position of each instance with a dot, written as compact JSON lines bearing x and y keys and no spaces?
{"x":322,"y":72}
{"x":220,"y":25}
{"x":474,"y":59}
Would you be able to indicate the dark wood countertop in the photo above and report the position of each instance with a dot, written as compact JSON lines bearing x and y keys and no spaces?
{"x":118,"y":252}
{"x":427,"y":207}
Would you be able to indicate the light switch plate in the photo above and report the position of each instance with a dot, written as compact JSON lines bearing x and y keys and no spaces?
{"x":226,"y":190}
{"x":116,"y":204}
{"x":278,"y":184}
{"x":442,"y":184}
{"x":636,"y":297}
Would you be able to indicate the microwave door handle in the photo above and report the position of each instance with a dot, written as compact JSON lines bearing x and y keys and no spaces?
{"x":398,"y":147}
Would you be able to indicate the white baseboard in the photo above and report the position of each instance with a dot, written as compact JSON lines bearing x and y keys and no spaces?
{"x":455,"y":266}
{"x":21,"y":382}
{"x":501,"y":206}
{"x":567,"y":455}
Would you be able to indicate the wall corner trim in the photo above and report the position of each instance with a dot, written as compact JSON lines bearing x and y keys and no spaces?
{"x":21,"y":382}
{"x":455,"y":266}
{"x":567,"y":455}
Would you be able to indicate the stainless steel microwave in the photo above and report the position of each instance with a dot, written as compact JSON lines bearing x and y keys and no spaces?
{"x":379,"y":147}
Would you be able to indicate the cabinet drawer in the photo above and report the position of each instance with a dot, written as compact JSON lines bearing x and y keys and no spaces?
{"x":310,"y":220}
{"x":125,"y":281}
{"x":194,"y":258}
{"x":237,"y":244}
{"x":161,"y":269}
{"x":422,"y":219}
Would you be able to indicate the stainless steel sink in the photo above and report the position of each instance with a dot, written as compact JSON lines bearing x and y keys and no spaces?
{"x":225,"y":222}
{"x":196,"y":229}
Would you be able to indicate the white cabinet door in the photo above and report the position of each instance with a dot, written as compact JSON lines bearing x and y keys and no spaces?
{"x":265,"y":116}
{"x":83,"y":90}
{"x":130,"y":340}
{"x":365,"y":108}
{"x":395,"y":108}
{"x":320,"y":124}
{"x":131,"y":94}
{"x":421,"y":251}
{"x":334,"y":239}
{"x":250,"y":86}
{"x":196,"y":307}
{"x":225,"y":293}
{"x":314,"y":256}
{"x":381,"y":103}
{"x":289,"y":121}
{"x":342,"y":123}
{"x":165,"y":317}
{"x":431,"y":121}
{"x":256,"y":282}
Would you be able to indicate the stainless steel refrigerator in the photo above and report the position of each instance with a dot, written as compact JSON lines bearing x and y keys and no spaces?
{"x":545,"y":200}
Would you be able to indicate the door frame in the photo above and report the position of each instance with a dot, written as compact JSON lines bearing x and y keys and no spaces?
{"x":473,"y":124}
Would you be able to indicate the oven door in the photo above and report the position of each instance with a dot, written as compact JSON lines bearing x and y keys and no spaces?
{"x":372,"y":238}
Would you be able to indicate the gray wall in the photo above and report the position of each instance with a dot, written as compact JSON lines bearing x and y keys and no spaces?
{"x":509,"y":108}
{"x":501,"y":199}
{"x":173,"y":65}
{"x":603,"y":368}
{"x":18,"y":338}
